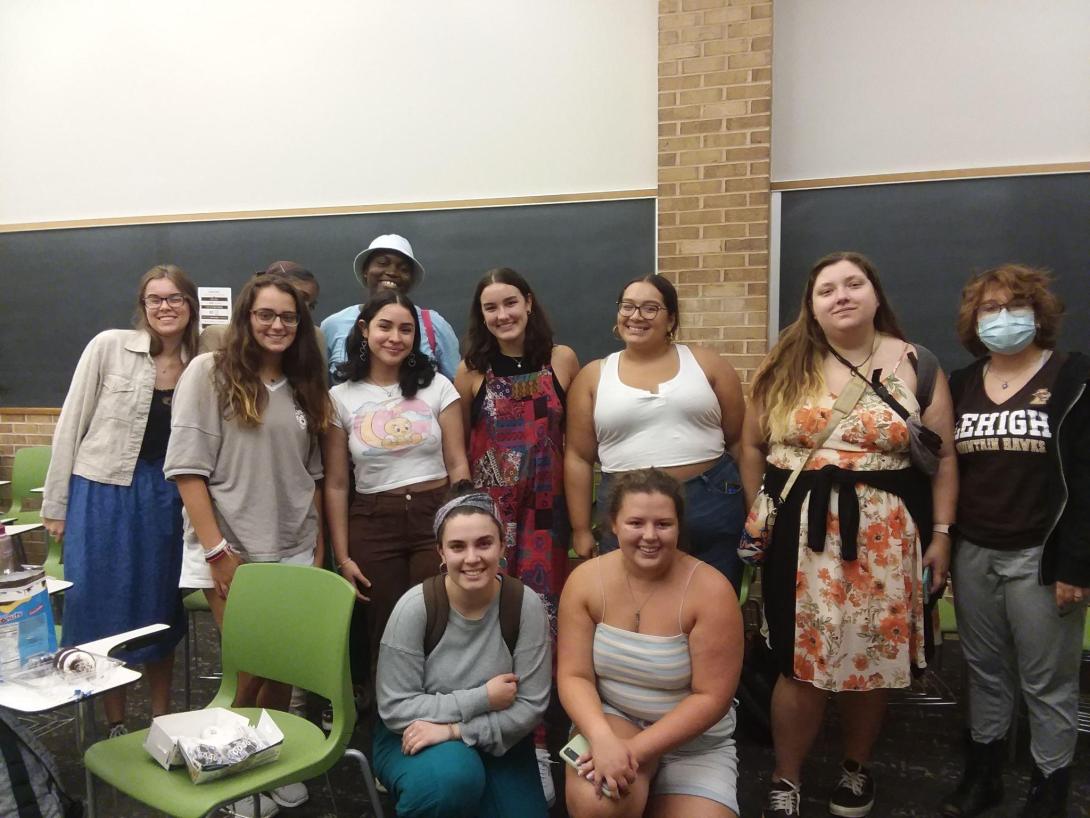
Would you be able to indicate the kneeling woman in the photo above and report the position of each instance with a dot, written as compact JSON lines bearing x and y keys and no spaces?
{"x":456,"y":721}
{"x":650,"y":650}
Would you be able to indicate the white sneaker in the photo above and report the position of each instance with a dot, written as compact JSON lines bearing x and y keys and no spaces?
{"x":298,"y":705}
{"x":291,"y":795}
{"x":244,"y":808}
{"x":544,"y":767}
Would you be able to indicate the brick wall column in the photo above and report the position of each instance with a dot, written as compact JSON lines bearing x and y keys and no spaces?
{"x":715,"y":103}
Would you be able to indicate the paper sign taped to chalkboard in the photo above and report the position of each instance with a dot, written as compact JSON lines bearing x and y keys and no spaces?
{"x":215,"y":305}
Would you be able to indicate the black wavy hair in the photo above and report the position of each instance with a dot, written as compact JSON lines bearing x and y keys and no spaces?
{"x":412,"y":376}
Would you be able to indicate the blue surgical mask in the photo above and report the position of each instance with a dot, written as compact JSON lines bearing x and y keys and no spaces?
{"x":1008,"y":331}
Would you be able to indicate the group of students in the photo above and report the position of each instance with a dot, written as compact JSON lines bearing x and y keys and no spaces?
{"x":171,"y":468}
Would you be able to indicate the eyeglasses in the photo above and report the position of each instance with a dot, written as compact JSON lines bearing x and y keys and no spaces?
{"x":266,"y":317}
{"x":154,"y":302}
{"x":993,"y":307}
{"x":648,"y":309}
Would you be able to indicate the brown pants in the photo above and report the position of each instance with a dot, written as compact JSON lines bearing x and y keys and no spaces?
{"x":390,"y":538}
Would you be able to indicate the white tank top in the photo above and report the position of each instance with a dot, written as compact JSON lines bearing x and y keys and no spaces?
{"x":678,"y":425}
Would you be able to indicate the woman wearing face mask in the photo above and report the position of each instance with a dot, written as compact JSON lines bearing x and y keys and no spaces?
{"x":1022,"y":559}
{"x":457,"y":712}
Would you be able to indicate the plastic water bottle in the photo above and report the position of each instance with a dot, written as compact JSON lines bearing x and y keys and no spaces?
{"x":7,"y":552}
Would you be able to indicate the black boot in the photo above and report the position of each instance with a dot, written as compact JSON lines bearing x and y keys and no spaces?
{"x":1047,"y":794}
{"x":981,"y":784}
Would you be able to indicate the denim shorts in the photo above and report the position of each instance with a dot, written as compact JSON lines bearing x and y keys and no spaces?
{"x":714,"y":513}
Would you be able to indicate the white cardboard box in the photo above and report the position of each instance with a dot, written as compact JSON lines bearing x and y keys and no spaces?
{"x":162,"y":739}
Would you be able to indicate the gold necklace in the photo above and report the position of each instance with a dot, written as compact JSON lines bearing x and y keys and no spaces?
{"x":632,"y":594}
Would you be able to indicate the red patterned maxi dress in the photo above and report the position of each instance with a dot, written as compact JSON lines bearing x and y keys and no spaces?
{"x":516,"y":452}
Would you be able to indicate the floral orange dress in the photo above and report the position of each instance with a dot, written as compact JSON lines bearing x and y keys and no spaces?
{"x":858,"y":623}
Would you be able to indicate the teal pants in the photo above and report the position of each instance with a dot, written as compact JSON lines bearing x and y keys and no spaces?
{"x":451,"y":780}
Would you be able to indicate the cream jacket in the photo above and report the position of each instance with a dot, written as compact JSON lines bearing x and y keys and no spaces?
{"x":101,"y":427}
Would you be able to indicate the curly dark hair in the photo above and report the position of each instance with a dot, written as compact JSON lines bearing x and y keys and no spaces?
{"x":417,"y":370}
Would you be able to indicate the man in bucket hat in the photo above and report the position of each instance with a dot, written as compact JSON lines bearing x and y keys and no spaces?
{"x":389,"y":263}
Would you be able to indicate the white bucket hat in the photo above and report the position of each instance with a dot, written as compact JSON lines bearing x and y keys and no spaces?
{"x":391,"y":241}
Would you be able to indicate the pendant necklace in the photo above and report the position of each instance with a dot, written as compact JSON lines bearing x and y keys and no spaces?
{"x":516,"y":358}
{"x":632,"y":594}
{"x":1005,"y":384}
{"x":389,"y":390}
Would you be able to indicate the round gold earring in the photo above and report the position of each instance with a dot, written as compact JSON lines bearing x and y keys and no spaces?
{"x":616,"y":333}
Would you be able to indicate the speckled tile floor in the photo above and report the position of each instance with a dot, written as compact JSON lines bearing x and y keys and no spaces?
{"x":916,"y":762}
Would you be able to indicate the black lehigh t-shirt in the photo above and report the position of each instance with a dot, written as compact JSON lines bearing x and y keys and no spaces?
{"x":1001,"y":461}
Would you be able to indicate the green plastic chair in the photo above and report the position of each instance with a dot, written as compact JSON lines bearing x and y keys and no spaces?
{"x":28,"y":472}
{"x":282,"y":622}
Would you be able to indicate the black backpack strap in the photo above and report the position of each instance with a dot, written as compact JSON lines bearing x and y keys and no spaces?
{"x":436,"y":611}
{"x":927,"y":367}
{"x":22,"y":791}
{"x":511,"y":591}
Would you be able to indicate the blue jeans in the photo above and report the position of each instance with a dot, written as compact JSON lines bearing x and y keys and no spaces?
{"x":714,"y":513}
{"x":451,"y":780}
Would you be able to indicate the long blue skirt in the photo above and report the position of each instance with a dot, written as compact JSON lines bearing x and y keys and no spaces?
{"x":123,"y":551}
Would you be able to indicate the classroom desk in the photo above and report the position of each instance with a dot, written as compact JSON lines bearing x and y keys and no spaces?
{"x":29,"y":700}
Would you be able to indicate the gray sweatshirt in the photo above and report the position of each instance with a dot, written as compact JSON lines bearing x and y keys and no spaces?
{"x":449,"y":686}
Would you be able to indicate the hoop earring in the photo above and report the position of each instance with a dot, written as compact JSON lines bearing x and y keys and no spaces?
{"x":442,"y":569}
{"x":670,"y":336}
{"x":412,"y":360}
{"x":363,"y":352}
{"x":616,"y":334}
{"x":503,"y":563}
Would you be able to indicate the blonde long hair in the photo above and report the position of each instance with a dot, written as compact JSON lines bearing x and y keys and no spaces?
{"x":238,"y":384}
{"x":792,"y":370}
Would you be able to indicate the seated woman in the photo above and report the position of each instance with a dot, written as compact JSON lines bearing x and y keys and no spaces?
{"x":455,"y":732}
{"x":650,"y":650}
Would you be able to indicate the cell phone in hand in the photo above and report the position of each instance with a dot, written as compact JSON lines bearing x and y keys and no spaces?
{"x":570,"y":753}
{"x":927,"y":580}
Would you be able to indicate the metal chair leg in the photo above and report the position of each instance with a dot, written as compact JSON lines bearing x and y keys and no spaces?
{"x":368,"y":781}
{"x":188,"y":665}
{"x":90,"y":779}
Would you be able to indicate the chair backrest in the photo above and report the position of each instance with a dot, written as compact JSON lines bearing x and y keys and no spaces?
{"x":28,"y":472}
{"x":290,"y":623}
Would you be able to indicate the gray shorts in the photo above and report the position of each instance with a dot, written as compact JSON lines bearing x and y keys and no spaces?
{"x":706,"y":766}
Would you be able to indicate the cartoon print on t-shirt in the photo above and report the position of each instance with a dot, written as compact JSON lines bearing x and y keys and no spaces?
{"x":394,"y":425}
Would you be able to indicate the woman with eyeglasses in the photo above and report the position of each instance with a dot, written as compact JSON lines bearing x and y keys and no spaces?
{"x":245,"y":454}
{"x":105,"y":494}
{"x":1022,"y":553}
{"x":398,"y":426}
{"x":658,"y":404}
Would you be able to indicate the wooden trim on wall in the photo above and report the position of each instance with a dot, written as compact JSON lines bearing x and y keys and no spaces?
{"x":29,"y":410}
{"x":337,"y":210}
{"x":933,"y":175}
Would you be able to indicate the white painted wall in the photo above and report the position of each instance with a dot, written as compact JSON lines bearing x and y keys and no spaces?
{"x":886,"y":86}
{"x":115,"y":108}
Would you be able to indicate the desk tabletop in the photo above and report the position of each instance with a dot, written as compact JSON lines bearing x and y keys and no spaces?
{"x":32,"y":700}
{"x":23,"y":529}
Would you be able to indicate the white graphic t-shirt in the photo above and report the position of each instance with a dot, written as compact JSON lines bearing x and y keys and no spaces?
{"x":394,"y":441}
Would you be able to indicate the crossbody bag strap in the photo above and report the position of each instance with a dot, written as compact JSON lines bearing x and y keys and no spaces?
{"x":849,"y":397}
